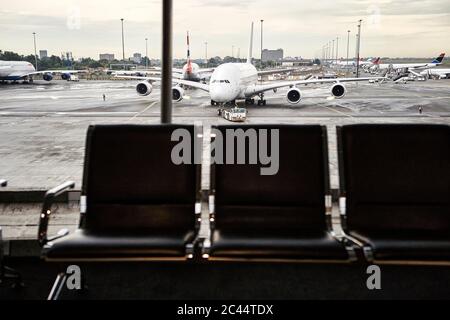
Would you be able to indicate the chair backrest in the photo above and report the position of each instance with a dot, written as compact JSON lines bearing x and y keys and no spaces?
{"x":292,"y":199}
{"x":396,"y":178}
{"x":131,"y":183}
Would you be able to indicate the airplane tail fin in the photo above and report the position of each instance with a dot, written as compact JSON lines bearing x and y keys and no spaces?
{"x":250,"y":48}
{"x":189,"y":63}
{"x":439,"y":59}
{"x":377,"y":61}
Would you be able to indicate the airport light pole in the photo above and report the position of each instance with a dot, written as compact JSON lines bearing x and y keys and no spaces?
{"x":146,"y":53}
{"x":206,"y":54}
{"x":35,"y":51}
{"x":332,"y":53}
{"x":123,"y":42}
{"x":348,"y":45}
{"x":358,"y":47}
{"x":328,"y":51}
{"x":262,"y":25}
{"x":166,"y":83}
{"x":337,"y":49}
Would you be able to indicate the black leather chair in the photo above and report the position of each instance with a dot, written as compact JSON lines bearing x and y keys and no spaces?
{"x":281,"y":217}
{"x":136,"y":204}
{"x":395,"y":189}
{"x":7,"y":273}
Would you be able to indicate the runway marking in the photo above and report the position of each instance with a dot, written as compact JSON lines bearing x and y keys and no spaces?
{"x":143,"y":111}
{"x":337,"y":111}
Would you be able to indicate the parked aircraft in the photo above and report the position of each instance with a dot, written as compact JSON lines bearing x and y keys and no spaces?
{"x":416,"y":66}
{"x":23,"y":70}
{"x":239,"y":81}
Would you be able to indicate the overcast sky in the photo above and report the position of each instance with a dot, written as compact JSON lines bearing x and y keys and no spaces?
{"x":395,"y":28}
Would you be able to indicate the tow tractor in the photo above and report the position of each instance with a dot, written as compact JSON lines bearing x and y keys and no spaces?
{"x":234,"y":114}
{"x":74,"y":78}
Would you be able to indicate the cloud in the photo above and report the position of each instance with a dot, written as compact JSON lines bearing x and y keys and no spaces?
{"x":301,"y":27}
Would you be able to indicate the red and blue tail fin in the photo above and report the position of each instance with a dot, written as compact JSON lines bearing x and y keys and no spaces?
{"x":439,"y":59}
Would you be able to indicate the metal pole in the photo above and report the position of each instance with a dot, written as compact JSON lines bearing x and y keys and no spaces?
{"x":123,"y":43}
{"x":262,"y":25}
{"x":35,"y":51}
{"x":206,"y":54}
{"x":332,"y":53}
{"x":146,"y":53}
{"x":358,"y":47}
{"x":337,"y":49}
{"x":166,"y":83}
{"x":348,"y":44}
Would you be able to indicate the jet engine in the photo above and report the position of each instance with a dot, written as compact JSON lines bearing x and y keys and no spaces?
{"x":177,"y":94}
{"x":47,"y":76}
{"x":144,"y":88}
{"x":338,"y":91}
{"x":65,"y":76}
{"x":294,"y":96}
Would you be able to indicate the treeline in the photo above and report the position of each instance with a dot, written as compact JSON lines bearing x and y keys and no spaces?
{"x":55,"y":62}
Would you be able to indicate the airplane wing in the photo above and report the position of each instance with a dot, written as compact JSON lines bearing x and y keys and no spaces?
{"x":273,"y":71}
{"x":192,"y":84}
{"x":255,"y":89}
{"x":175,"y":70}
{"x":207,"y":70}
{"x":147,"y":72}
{"x":53,"y":71}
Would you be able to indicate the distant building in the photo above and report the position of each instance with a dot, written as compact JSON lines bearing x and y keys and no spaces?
{"x":296,"y":62}
{"x":137,"y":58}
{"x":106,"y":56}
{"x":43,"y":54}
{"x":272,"y":55}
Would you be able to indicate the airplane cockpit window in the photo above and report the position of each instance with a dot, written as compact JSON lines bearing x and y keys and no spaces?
{"x":220,"y":81}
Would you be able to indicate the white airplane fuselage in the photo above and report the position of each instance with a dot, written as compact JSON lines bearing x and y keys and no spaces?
{"x":397,"y":66}
{"x":436,"y":72}
{"x":12,"y":70}
{"x":230,"y":81}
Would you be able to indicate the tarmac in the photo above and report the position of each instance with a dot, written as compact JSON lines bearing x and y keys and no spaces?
{"x":43,"y":127}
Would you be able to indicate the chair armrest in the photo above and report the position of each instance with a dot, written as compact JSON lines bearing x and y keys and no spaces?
{"x":46,"y":209}
{"x":347,"y":239}
{"x":212,"y":209}
{"x":3,"y":183}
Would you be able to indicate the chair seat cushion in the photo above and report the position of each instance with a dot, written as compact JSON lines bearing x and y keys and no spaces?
{"x":400,"y":246}
{"x":298,"y":246}
{"x":89,"y":245}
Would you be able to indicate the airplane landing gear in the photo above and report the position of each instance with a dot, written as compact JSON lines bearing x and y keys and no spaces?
{"x":249,"y":102}
{"x":261,"y":101}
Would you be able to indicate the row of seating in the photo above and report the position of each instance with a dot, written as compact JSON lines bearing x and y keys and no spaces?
{"x":7,"y":273}
{"x":137,"y":205}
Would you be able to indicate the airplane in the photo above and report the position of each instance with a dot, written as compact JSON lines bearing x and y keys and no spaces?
{"x":239,"y":81}
{"x":352,"y":63}
{"x":23,"y":70}
{"x":397,"y":66}
{"x":438,"y":73}
{"x":190,"y":71}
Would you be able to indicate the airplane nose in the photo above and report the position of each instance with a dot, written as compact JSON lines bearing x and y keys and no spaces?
{"x":221,"y":94}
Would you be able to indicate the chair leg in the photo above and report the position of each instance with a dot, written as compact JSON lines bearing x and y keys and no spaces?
{"x":58,"y":285}
{"x":7,"y":273}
